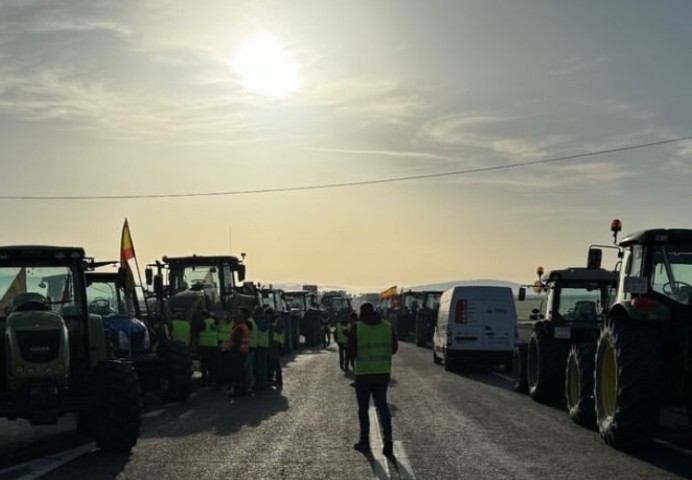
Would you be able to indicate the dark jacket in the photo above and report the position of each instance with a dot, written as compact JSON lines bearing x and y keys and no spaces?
{"x":352,"y":348}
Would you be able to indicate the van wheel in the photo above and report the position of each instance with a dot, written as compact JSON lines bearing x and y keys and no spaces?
{"x":546,"y":365}
{"x":579,"y":384}
{"x":519,"y":369}
{"x":436,"y":359}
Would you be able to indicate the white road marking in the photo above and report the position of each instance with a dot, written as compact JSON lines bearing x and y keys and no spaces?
{"x":380,"y":467}
{"x":404,"y":466}
{"x":186,"y":414}
{"x":41,"y":466}
{"x":504,"y":377}
{"x":153,"y":413}
{"x":680,"y":450}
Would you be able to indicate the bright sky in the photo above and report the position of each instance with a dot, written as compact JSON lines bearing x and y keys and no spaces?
{"x":165,"y":97}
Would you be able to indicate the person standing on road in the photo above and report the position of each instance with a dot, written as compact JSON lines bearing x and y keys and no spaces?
{"x":326,"y":331}
{"x":207,"y":349}
{"x":250,"y":361}
{"x":238,"y":346}
{"x":371,"y":343}
{"x":352,"y":319}
{"x":341,"y":335}
{"x":223,"y":371}
{"x":262,"y":350}
{"x":276,"y":343}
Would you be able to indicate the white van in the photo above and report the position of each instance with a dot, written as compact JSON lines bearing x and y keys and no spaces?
{"x":475,"y":325}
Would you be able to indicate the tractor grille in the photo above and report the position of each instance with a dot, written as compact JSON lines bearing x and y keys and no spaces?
{"x":39,"y":346}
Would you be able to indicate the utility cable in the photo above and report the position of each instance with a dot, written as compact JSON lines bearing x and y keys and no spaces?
{"x":354,"y":183}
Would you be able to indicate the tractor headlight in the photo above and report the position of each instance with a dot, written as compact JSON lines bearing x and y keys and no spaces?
{"x":147,"y":339}
{"x":123,"y":340}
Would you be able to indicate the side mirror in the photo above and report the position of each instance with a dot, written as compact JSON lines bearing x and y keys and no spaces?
{"x":594,"y":259}
{"x":158,"y":285}
{"x":149,"y":275}
{"x":522,"y":294}
{"x":241,"y":273}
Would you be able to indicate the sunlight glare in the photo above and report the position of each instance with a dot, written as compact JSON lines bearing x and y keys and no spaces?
{"x":264,"y":67}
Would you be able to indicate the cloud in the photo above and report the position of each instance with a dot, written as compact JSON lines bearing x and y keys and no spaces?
{"x":472,"y":131}
{"x":577,"y":64}
{"x":383,"y":153}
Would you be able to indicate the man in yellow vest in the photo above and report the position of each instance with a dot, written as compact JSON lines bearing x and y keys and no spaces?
{"x":371,"y":343}
{"x":223,"y":371}
{"x":180,"y":329}
{"x":207,"y":349}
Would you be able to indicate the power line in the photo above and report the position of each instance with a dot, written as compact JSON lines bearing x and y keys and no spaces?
{"x":354,"y":183}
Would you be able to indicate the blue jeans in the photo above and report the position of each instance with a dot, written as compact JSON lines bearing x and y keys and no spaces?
{"x":378,"y":391}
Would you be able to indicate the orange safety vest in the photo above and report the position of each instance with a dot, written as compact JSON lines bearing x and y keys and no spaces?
{"x":245,"y":343}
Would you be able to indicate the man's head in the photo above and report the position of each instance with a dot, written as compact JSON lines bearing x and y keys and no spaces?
{"x":367,"y":309}
{"x":353,"y":317}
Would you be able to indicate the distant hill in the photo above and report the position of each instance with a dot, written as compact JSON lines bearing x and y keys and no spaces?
{"x":432,"y":286}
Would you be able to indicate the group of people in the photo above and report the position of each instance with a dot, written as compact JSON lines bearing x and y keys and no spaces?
{"x":367,"y":343}
{"x":241,"y":353}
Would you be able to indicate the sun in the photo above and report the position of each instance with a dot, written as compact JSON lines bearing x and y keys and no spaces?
{"x":264,"y":67}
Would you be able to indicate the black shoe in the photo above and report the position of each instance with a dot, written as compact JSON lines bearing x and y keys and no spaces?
{"x":363,"y":447}
{"x":387,"y":450}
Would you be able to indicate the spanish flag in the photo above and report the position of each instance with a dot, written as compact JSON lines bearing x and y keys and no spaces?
{"x":127,"y":250}
{"x":389,"y":293}
{"x":127,"y":253}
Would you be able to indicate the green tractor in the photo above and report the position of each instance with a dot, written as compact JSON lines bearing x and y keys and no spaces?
{"x":644,"y":353}
{"x":426,"y":318}
{"x":555,"y":350}
{"x":53,"y":356}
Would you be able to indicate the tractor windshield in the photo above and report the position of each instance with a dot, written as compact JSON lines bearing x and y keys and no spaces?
{"x":37,"y":288}
{"x":104,"y":298}
{"x":296,"y":302}
{"x":194,"y":278}
{"x":432,"y":301}
{"x":582,"y":304}
{"x":338,"y":304}
{"x":671,"y":272}
{"x":412,"y":302}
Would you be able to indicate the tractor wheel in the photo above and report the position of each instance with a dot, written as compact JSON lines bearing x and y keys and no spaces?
{"x":519,"y":369}
{"x":579,"y":384}
{"x":546,"y":365}
{"x":628,"y":383}
{"x":115,"y":421}
{"x":175,"y":382}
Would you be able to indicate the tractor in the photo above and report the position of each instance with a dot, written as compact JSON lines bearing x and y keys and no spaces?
{"x":274,"y":298}
{"x":426,"y":317}
{"x":555,"y":352}
{"x":303,"y":308}
{"x":163,"y":366}
{"x":187,"y":286}
{"x":53,"y":356}
{"x":644,"y":352}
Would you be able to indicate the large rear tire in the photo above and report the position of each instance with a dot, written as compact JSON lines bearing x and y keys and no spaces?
{"x":579,"y":384}
{"x":115,"y":421}
{"x":546,"y":365}
{"x":519,"y":368}
{"x":628,"y":383}
{"x":176,"y":373}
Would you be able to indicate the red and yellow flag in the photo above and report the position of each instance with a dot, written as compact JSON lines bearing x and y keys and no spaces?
{"x":389,"y":293}
{"x":17,"y":286}
{"x":127,"y":250}
{"x":127,"y":253}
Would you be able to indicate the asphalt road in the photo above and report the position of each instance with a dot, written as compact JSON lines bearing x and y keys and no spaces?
{"x":446,"y":426}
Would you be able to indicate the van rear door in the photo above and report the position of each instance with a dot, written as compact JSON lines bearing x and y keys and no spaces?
{"x":483,"y":319}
